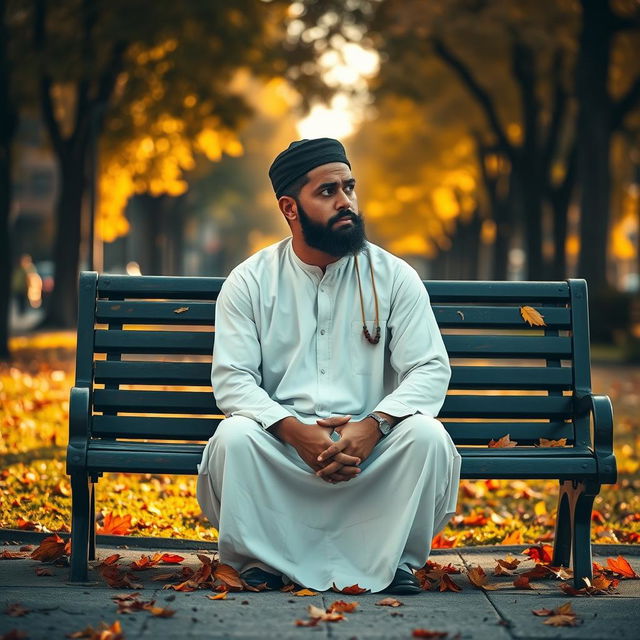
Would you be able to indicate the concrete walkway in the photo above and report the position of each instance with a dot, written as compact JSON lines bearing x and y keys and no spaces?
{"x":56,"y":608}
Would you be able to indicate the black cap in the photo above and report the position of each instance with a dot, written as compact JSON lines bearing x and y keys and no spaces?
{"x":300,"y":157}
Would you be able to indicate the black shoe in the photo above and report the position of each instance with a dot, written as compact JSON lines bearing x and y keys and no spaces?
{"x":256,"y":576}
{"x":403,"y":583}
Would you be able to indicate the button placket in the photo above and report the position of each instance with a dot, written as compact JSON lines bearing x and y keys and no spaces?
{"x":323,"y":350}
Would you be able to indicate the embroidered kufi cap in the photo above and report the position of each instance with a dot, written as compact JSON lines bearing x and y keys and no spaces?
{"x":300,"y":157}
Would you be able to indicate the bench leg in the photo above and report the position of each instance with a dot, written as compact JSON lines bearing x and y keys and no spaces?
{"x":562,"y":538}
{"x":573,"y":528}
{"x":80,"y":513}
{"x":92,"y":519}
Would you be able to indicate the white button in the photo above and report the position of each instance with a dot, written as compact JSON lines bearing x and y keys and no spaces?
{"x":322,"y":371}
{"x":322,"y":332}
{"x":322,"y":289}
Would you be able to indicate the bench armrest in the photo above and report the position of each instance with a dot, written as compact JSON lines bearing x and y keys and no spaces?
{"x":79,"y":431}
{"x":602,"y":411}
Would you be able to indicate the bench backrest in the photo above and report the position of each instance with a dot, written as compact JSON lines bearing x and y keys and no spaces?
{"x":145,"y":344}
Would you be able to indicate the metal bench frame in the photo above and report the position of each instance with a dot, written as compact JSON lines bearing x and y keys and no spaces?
{"x":548,"y":367}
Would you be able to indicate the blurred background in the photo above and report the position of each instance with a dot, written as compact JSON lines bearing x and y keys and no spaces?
{"x":491,"y":139}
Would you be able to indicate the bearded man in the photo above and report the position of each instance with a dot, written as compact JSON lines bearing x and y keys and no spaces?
{"x":330,"y":467}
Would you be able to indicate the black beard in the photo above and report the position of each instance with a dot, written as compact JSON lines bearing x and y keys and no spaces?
{"x":336,"y":242}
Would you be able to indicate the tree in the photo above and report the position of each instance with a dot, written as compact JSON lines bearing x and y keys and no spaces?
{"x":8,"y":126}
{"x":116,"y":72}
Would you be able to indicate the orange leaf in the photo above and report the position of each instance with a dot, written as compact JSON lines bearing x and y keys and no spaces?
{"x":540,"y":553}
{"x":340,"y":606}
{"x":305,"y":592}
{"x":219,"y":596}
{"x":478,"y":578}
{"x":389,"y":602}
{"x":112,"y":559}
{"x":522,"y":582}
{"x":444,"y":542}
{"x":502,"y":443}
{"x":104,"y":632}
{"x":159,"y":612}
{"x":532,"y":317}
{"x":622,"y":567}
{"x":116,"y":525}
{"x":353,"y":590}
{"x":562,"y":621}
{"x":13,"y":555}
{"x":515,"y":537}
{"x":228,"y":575}
{"x":562,"y":442}
{"x":170,"y":558}
{"x":50,"y":549}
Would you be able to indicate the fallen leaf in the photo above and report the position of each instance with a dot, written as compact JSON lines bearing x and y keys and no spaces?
{"x":621,"y":567}
{"x":305,"y":592}
{"x":219,"y":596}
{"x":145,"y":562}
{"x":160,"y":612}
{"x":112,"y":559}
{"x":542,"y":612}
{"x":522,"y":582}
{"x":353,"y":590}
{"x":542,"y":553}
{"x":340,"y":606}
{"x":562,"y":442}
{"x":447,"y":568}
{"x":181,"y":310}
{"x":532,"y":317}
{"x":116,"y":525}
{"x":43,"y":571}
{"x":502,"y":443}
{"x":228,"y":575}
{"x":478,"y":578}
{"x":51,"y":548}
{"x":16,"y":610}
{"x":162,"y":577}
{"x":13,"y":555}
{"x":389,"y":602}
{"x":171,"y":558}
{"x":562,"y":621}
{"x":562,"y":573}
{"x":105,"y":632}
{"x":444,"y":542}
{"x":288,"y":588}
{"x":515,"y":537}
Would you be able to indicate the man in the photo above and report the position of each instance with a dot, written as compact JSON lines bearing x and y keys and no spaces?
{"x":330,"y":467}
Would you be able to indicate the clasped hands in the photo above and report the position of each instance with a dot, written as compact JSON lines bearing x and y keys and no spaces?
{"x":332,"y":461}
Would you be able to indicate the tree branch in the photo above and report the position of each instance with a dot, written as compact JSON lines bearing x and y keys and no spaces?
{"x":560,"y":101}
{"x":45,"y":82}
{"x":477,"y":92}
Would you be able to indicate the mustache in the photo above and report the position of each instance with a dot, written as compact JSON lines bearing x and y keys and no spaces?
{"x":347,"y":214}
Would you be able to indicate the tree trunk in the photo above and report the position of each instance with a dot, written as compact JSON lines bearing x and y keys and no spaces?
{"x":62,"y":309}
{"x":560,"y":198}
{"x":594,"y":131}
{"x":8,"y":127}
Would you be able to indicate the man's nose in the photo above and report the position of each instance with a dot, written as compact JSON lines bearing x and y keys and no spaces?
{"x":342,"y":201}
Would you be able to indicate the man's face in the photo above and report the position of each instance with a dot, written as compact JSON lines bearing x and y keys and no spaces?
{"x":328,"y":211}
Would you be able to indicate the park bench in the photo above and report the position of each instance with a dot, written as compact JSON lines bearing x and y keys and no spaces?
{"x":142,"y":401}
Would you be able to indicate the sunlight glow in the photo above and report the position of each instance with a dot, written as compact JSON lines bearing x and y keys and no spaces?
{"x":335,"y":121}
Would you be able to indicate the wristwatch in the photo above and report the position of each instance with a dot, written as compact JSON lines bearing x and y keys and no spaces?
{"x":383,"y":424}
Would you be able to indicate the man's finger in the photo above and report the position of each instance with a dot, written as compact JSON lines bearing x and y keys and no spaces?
{"x":329,"y":469}
{"x":334,"y":421}
{"x":333,"y":449}
{"x":345,"y":458}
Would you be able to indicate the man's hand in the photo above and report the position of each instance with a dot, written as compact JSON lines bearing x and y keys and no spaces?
{"x":357,"y":439}
{"x":310,"y":440}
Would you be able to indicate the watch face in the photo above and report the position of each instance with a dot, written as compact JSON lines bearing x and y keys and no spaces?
{"x":385,"y":427}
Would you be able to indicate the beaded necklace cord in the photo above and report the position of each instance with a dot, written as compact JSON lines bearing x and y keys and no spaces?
{"x":367,"y":335}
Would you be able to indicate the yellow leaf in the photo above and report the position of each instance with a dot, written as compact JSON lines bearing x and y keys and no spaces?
{"x":305,"y":592}
{"x":562,"y":442}
{"x":540,"y":508}
{"x":532,"y":317}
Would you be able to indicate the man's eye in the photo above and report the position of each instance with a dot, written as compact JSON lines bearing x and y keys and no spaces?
{"x":326,"y":192}
{"x":349,"y":188}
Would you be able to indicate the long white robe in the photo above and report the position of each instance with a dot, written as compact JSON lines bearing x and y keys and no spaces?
{"x":289,"y":341}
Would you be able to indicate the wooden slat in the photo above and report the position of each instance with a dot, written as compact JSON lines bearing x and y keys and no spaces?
{"x":160,"y":342}
{"x":524,"y":433}
{"x":461,"y":316}
{"x":480,"y":292}
{"x":164,"y":373}
{"x":157,"y":427}
{"x":468,"y":346}
{"x":183,"y":402}
{"x":159,"y":287}
{"x":145,"y":312}
{"x":485,"y":377}
{"x":507,"y":407}
{"x":514,"y":465}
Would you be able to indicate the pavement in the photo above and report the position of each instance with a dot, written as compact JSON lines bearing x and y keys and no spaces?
{"x":57,"y":608}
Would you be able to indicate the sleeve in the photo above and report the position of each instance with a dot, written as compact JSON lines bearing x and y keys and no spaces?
{"x":237,"y":358}
{"x":418,"y":354}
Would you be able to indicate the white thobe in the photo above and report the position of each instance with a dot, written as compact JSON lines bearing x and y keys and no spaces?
{"x":289,"y":341}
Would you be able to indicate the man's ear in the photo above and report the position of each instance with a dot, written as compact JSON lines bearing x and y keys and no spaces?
{"x":288,"y":207}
